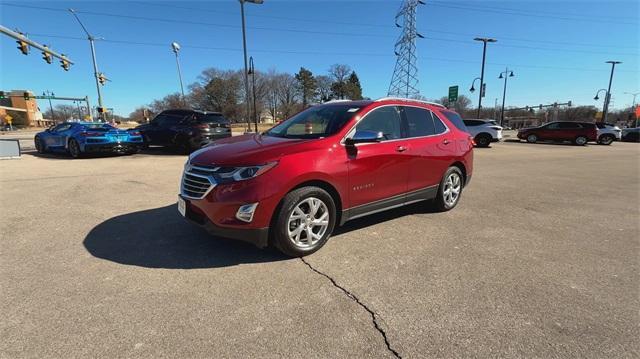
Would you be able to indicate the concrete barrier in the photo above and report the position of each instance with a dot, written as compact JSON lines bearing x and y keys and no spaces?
{"x":9,"y":149}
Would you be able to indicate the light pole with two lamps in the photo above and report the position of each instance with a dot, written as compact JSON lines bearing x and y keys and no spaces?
{"x":504,"y":92}
{"x":484,"y":40}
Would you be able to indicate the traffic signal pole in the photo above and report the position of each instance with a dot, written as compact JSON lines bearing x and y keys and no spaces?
{"x":21,"y":38}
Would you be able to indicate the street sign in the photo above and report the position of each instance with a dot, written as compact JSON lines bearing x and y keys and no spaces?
{"x":483,"y":90}
{"x":9,"y":119}
{"x":453,"y":93}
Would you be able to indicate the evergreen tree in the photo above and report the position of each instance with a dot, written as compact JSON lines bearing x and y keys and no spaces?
{"x":353,"y":90}
{"x":306,"y":85}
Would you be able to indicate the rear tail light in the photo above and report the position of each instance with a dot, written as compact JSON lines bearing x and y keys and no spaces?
{"x":92,"y":134}
{"x":473,"y":142}
{"x":134,"y":133}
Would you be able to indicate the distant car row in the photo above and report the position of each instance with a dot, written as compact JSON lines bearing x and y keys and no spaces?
{"x":184,"y":130}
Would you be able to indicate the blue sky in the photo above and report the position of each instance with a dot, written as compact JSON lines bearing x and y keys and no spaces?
{"x":557,"y":49}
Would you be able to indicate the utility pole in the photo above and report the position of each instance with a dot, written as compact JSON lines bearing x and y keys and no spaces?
{"x":484,"y":54}
{"x":95,"y":64}
{"x":252,"y":71}
{"x":633,"y":105}
{"x":607,"y":98}
{"x":504,"y":92}
{"x":176,"y":48}
{"x":246,"y":70}
{"x":49,"y":94}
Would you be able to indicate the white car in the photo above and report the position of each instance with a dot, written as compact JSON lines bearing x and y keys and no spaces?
{"x":608,"y":133}
{"x":484,"y":131}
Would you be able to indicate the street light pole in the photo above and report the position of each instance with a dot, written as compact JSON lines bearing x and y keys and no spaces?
{"x":95,"y":63}
{"x":633,"y":104}
{"x":484,"y":55}
{"x":507,"y":73}
{"x":252,"y":71}
{"x":607,"y":98}
{"x":246,"y":70}
{"x":176,"y":48}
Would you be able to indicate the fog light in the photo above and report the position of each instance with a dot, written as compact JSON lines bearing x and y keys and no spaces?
{"x":245,"y":212}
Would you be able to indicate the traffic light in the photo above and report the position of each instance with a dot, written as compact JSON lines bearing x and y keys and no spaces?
{"x":100,"y":109}
{"x":2,"y":95}
{"x":65,"y":63}
{"x":102,"y":79}
{"x":26,"y":96}
{"x":47,"y":56}
{"x":23,"y":46}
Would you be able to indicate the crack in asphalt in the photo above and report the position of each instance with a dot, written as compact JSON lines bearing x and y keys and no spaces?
{"x":352,"y":296}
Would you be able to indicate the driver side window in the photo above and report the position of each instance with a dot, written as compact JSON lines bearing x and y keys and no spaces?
{"x":61,"y":127}
{"x":384,"y":119}
{"x":553,"y":126}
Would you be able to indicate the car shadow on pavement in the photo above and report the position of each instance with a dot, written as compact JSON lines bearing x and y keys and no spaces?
{"x":160,"y":238}
{"x":380,"y":217}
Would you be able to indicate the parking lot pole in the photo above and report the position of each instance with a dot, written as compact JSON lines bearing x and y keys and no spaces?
{"x":507,"y":73}
{"x":49,"y":94}
{"x":607,"y":98}
{"x":484,"y":54}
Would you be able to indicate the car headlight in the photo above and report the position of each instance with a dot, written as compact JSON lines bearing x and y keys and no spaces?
{"x":248,"y":172}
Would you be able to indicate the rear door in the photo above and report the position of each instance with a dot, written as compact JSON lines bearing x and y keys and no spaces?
{"x":549,"y":132}
{"x":378,"y":172}
{"x":57,"y":136}
{"x":429,"y":155}
{"x":570,"y":130}
{"x":164,"y":127}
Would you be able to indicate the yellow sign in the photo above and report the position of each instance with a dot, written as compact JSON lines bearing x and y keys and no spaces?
{"x":8,"y":119}
{"x":87,"y":117}
{"x":598,"y":115}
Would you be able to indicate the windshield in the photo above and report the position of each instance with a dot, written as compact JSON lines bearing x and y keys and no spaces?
{"x":315,"y":122}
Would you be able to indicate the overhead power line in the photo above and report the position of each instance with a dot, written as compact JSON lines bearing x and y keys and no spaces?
{"x":297,"y":52}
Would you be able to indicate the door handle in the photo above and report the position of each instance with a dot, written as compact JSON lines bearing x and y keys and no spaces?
{"x":401,"y":149}
{"x":446,"y":142}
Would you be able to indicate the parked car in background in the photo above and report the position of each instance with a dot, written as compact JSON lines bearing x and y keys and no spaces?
{"x":185,"y":130}
{"x":607,"y":133}
{"x":577,"y":132}
{"x":79,"y":138}
{"x":484,"y":131}
{"x":631,"y":134}
{"x":293,"y":184}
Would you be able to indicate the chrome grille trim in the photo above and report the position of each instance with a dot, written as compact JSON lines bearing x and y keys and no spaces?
{"x":197,"y":181}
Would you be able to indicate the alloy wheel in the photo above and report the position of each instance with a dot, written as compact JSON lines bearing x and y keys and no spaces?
{"x":452,"y":187}
{"x":308,"y":222}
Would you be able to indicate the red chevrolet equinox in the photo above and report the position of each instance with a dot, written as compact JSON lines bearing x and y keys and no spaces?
{"x":331,"y":163}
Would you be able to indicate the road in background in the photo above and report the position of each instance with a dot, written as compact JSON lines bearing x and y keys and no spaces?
{"x":540,"y":259}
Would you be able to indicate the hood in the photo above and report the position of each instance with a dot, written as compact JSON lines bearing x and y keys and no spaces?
{"x":250,"y":149}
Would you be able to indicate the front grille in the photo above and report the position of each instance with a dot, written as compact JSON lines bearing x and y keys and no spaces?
{"x":198,"y":181}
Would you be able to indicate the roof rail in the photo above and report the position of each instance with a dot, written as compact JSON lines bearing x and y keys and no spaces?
{"x":410,"y":100}
{"x":337,"y":100}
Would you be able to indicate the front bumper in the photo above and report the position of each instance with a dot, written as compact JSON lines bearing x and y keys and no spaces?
{"x":112,"y":147}
{"x":257,"y":236}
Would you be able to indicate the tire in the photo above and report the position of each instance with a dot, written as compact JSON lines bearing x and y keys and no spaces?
{"x":532,"y":138}
{"x":606,"y":140}
{"x":446,"y":201}
{"x":580,"y":141}
{"x":40,"y":146}
{"x":74,"y":149}
{"x":483,"y":140}
{"x":299,"y":203}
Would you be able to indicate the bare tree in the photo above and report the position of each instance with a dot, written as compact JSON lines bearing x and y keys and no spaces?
{"x":323,"y":91}
{"x":339,"y":73}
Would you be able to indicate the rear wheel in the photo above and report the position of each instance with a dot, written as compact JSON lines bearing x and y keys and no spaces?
{"x":483,"y":140}
{"x":74,"y":149}
{"x":532,"y":138}
{"x":40,"y":147}
{"x":305,"y":221}
{"x":606,"y":140}
{"x":450,"y":189}
{"x":580,"y":141}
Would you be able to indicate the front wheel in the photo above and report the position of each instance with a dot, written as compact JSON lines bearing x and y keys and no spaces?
{"x":39,"y":145}
{"x":74,"y":149}
{"x":305,"y":221}
{"x":532,"y":138}
{"x":449,"y":190}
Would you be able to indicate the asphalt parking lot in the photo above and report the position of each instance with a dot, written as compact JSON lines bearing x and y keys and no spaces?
{"x":540,"y":259}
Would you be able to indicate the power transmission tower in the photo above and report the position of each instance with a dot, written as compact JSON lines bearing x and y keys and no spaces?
{"x":404,"y":82}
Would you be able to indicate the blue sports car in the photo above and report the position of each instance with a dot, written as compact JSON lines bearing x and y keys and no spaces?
{"x":78,"y":138}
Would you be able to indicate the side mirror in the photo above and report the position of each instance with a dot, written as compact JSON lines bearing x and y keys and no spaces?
{"x":364,"y":136}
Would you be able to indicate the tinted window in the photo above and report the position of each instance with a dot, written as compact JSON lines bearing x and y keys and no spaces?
{"x":553,"y":126}
{"x":455,"y":119}
{"x":211,"y":118}
{"x":438,"y":125}
{"x":62,"y":127}
{"x":384,"y":119}
{"x":473,"y":123}
{"x":168,"y":119}
{"x":97,"y":126}
{"x":315,"y":122}
{"x":569,"y":125}
{"x":419,"y":122}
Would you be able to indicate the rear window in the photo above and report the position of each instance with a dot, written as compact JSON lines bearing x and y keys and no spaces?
{"x":211,"y":118}
{"x":98,"y":126}
{"x":456,"y":120}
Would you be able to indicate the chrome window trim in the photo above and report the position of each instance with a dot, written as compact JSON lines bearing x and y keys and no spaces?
{"x":352,"y":129}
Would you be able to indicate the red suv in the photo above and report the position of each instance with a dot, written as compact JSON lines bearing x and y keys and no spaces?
{"x":577,"y":132}
{"x":292,"y":185}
